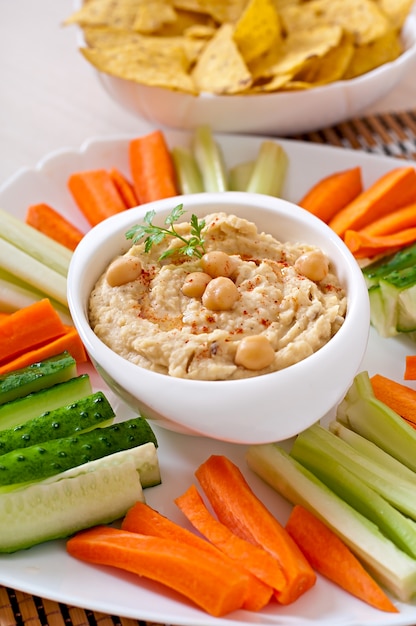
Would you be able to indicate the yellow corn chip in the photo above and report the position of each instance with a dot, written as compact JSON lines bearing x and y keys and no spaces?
{"x":146,"y":64}
{"x":396,"y":11}
{"x":221,"y":10}
{"x":220,"y":68}
{"x":115,"y":13}
{"x":152,"y":15}
{"x":330,"y":67}
{"x":372,"y":55}
{"x":290,"y":56}
{"x":257,"y":29}
{"x":362,"y":18}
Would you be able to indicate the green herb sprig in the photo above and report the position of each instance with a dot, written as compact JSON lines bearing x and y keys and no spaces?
{"x":192,"y":246}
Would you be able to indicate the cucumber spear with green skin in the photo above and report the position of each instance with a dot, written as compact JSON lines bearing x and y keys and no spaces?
{"x":79,"y":416}
{"x":36,"y":462}
{"x":39,"y":375}
{"x":20,"y":410}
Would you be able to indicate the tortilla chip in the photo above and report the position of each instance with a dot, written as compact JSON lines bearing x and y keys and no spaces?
{"x":200,"y":31}
{"x":104,"y":37}
{"x":240,"y":46}
{"x":150,"y":65}
{"x":220,"y":68}
{"x":221,"y":10}
{"x":330,"y":67}
{"x":280,"y":4}
{"x":396,"y":11}
{"x":115,"y":13}
{"x":257,"y":29}
{"x":379,"y":52}
{"x":150,"y":17}
{"x":290,"y":56}
{"x":184,"y":21}
{"x":275,"y":83}
{"x":362,"y":18}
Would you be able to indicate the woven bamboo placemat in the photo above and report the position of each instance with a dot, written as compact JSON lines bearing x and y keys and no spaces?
{"x":391,"y":134}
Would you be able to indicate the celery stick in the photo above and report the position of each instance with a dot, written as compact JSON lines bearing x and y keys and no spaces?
{"x":240,"y":175}
{"x":29,"y":269}
{"x":210,"y":160}
{"x":397,"y":491}
{"x":187,"y":171}
{"x":269,"y":170}
{"x":390,"y":565}
{"x":34,"y":243}
{"x":364,"y":446}
{"x":322,"y":462}
{"x":361,"y":411}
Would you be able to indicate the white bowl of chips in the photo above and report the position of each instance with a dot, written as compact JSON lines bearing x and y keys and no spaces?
{"x":259,"y":66}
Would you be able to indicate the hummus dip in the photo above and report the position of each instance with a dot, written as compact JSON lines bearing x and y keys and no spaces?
{"x":288,"y":310}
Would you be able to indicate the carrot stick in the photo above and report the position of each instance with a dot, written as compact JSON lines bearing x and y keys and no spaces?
{"x":238,"y":508}
{"x":51,"y":223}
{"x":28,"y":328}
{"x":333,"y":193}
{"x":391,"y":191}
{"x":410,"y":367}
{"x":400,"y":398}
{"x":205,"y":579}
{"x":96,"y":195}
{"x":392,"y":222}
{"x":70,"y":341}
{"x":152,"y":167}
{"x":363,"y":245}
{"x":145,"y":520}
{"x":254,"y":558}
{"x":124,"y":187}
{"x":332,"y":558}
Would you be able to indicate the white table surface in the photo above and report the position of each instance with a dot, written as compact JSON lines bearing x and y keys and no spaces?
{"x":50,"y":97}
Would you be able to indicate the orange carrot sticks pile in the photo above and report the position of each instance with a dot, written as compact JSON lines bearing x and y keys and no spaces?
{"x":400,"y":398}
{"x":142,"y":519}
{"x":333,"y":193}
{"x":124,"y":188}
{"x":374,"y":221}
{"x":51,"y":223}
{"x":410,"y":367}
{"x":28,"y":328}
{"x":331,"y":557}
{"x":254,"y":558}
{"x":96,"y":195}
{"x":392,"y":191}
{"x":152,"y":167}
{"x":206,"y":579}
{"x":34,"y":333}
{"x":238,"y":508}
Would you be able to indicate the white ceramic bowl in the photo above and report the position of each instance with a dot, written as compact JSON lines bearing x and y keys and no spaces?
{"x":285,"y":113}
{"x":264,"y":408}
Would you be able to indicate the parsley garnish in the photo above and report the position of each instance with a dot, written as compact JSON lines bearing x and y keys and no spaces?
{"x":192,"y":245}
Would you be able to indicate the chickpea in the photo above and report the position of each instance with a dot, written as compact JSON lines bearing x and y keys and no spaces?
{"x":217,"y":263}
{"x":254,"y":352}
{"x":220,"y":294}
{"x":123,"y":270}
{"x":313,"y":265}
{"x":195,"y":283}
